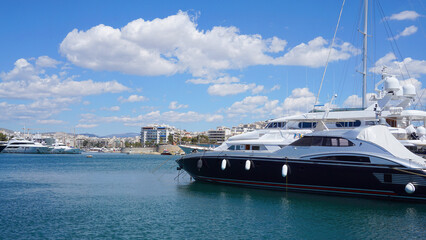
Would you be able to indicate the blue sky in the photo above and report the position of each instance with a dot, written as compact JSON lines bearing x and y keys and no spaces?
{"x":109,"y":67}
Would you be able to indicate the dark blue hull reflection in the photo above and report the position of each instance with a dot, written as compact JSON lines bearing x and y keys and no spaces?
{"x":327,"y":177}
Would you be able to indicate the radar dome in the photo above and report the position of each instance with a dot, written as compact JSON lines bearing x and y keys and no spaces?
{"x":410,"y":129}
{"x":421,"y":131}
{"x":391,"y":84}
{"x":409,"y":90}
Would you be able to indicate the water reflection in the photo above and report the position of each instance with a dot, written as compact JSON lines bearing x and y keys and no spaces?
{"x":301,"y":213}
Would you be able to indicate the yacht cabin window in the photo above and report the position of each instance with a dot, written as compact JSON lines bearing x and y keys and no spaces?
{"x":357,"y":123}
{"x":234,"y":147}
{"x":307,"y":124}
{"x":244,"y":147}
{"x":276,"y":125}
{"x":323,"y":141}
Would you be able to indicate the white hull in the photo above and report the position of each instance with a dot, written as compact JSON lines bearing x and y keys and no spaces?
{"x":31,"y":150}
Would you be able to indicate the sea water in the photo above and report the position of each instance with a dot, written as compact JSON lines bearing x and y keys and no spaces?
{"x":118,"y":196}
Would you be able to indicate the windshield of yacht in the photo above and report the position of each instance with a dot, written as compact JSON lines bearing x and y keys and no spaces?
{"x":276,"y":125}
{"x":323,"y":141}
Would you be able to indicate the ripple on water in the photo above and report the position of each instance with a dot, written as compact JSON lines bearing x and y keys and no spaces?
{"x":129,"y":196}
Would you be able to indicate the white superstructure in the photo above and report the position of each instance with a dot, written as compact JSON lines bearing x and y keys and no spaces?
{"x":60,"y":148}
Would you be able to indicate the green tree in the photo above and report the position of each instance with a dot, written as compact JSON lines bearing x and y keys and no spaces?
{"x":3,"y":137}
{"x":186,"y":139}
{"x":204,"y":139}
{"x":170,"y":139}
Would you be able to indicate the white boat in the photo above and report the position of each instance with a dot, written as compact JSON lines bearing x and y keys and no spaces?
{"x":264,"y":140}
{"x":25,"y":146}
{"x":60,"y":148}
{"x":194,"y":148}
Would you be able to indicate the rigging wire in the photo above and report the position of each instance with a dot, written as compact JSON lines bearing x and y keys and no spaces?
{"x":329,"y":52}
{"x":354,"y":39}
{"x":393,"y":40}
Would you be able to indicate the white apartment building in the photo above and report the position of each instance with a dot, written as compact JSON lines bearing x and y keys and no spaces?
{"x":219,"y":135}
{"x":155,"y":134}
{"x":250,"y":127}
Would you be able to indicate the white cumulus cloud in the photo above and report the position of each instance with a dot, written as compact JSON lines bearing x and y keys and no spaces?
{"x":415,"y":68}
{"x":233,"y":88}
{"x":404,"y":15}
{"x":86,"y":125}
{"x":314,"y":54}
{"x":406,"y":32}
{"x":355,"y":101}
{"x":175,"y":45}
{"x":175,"y":105}
{"x":112,"y":109}
{"x":25,"y":81}
{"x":220,"y":80}
{"x":152,"y":117}
{"x":166,"y":46}
{"x":132,"y":98}
{"x":301,"y":100}
{"x":45,"y":62}
{"x":50,"y":121}
{"x":45,"y":94}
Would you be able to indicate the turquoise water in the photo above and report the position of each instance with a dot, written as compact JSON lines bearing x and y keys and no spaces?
{"x":117,"y":196}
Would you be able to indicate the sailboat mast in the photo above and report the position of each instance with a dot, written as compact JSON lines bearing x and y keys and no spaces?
{"x":364,"y":73}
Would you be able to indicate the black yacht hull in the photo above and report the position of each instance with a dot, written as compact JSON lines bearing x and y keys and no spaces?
{"x":327,"y":177}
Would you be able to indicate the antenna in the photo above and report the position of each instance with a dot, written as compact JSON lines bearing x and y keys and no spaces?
{"x":364,"y":72}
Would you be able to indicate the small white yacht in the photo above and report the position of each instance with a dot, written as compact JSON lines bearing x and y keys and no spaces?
{"x":264,"y":140}
{"x":25,"y":146}
{"x":61,"y":148}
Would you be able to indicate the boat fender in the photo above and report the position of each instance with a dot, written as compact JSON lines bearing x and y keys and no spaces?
{"x":410,"y":188}
{"x":224,"y":163}
{"x":248,"y":165}
{"x":199,"y":163}
{"x":284,"y":170}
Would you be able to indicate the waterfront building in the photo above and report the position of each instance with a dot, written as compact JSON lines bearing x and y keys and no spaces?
{"x":249,"y":127}
{"x":155,"y":134}
{"x":219,"y":135}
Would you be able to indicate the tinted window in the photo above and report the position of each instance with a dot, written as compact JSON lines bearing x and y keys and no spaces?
{"x":357,"y":123}
{"x":316,"y":141}
{"x":231,"y":147}
{"x":307,"y":125}
{"x":322,"y":141}
{"x":345,"y":158}
{"x":304,"y":141}
{"x":343,"y":142}
{"x":255,"y":147}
